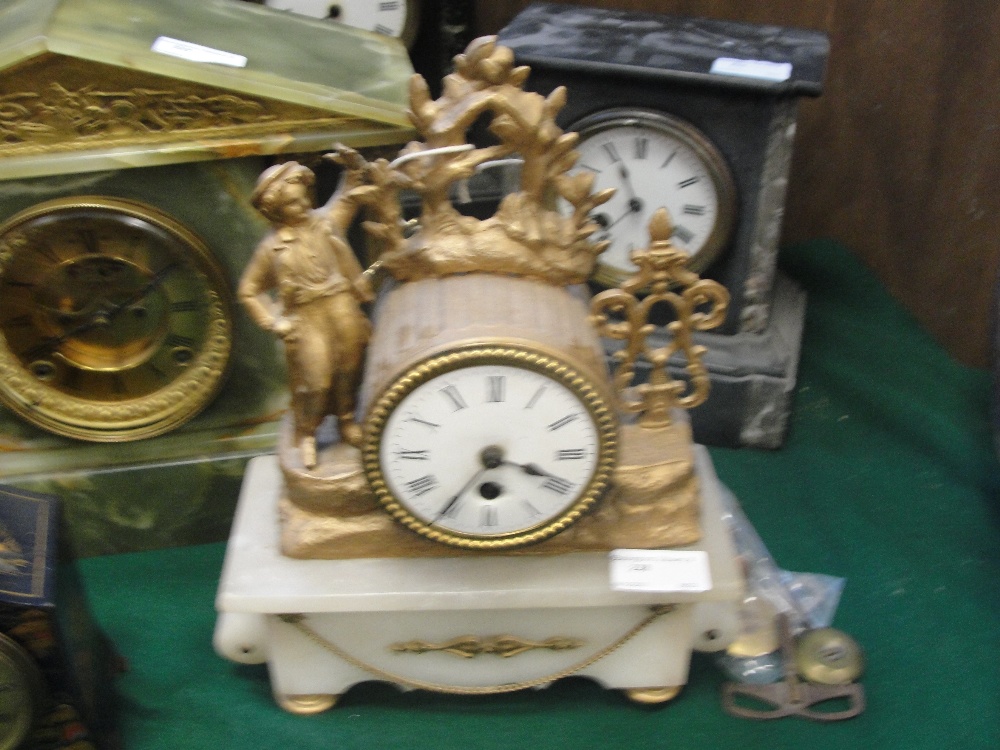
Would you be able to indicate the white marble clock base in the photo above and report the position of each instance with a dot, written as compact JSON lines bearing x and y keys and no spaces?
{"x":437,"y":623}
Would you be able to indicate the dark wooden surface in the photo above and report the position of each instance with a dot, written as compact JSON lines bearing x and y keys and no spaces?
{"x":900,"y":157}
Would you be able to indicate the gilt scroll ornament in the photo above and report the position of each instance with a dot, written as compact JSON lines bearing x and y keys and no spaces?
{"x":697,"y":304}
{"x":470,"y":646}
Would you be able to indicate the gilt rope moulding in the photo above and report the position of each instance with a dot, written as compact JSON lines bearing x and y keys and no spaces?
{"x":114,"y":112}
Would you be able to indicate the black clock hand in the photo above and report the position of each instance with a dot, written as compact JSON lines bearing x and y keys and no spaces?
{"x":53,"y":342}
{"x":623,"y":173}
{"x":491,"y":457}
{"x":627,"y":213}
{"x":634,"y":206}
{"x":535,"y":470}
{"x":634,"y":202}
{"x":158,"y":278}
{"x":453,"y":501}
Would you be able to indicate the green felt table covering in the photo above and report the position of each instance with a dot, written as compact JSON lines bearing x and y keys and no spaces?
{"x":888,"y":478}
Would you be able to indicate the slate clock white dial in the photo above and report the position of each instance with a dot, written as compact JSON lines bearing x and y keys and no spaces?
{"x":654,"y":160}
{"x":491,"y":448}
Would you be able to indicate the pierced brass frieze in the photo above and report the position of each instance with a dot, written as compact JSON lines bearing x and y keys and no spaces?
{"x":697,"y":304}
{"x":58,"y":112}
{"x":470,"y":646}
{"x":56,"y":106}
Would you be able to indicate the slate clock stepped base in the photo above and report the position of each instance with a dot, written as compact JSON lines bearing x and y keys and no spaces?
{"x":753,"y":377}
{"x":446,"y":624}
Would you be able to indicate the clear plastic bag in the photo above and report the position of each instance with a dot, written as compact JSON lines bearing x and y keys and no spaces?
{"x":808,"y":600}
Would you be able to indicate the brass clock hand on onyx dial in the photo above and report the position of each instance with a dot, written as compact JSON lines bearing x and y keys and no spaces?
{"x":116,"y":320}
{"x":100,"y":317}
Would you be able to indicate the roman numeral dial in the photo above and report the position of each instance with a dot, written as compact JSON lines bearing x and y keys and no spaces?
{"x":653,"y":160}
{"x":513,"y":449}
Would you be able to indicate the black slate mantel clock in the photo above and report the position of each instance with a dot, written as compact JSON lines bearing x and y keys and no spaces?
{"x":699,"y":116}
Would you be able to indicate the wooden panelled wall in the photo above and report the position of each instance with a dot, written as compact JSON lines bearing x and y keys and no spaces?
{"x":900,"y":157}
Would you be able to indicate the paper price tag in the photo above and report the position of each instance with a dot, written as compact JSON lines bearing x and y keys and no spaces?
{"x":166,"y":45}
{"x":763,"y":69}
{"x":660,"y":570}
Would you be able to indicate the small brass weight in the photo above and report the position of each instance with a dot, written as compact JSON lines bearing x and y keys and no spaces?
{"x":829,"y":676}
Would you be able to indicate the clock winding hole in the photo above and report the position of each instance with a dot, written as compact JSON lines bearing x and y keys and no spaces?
{"x":490,"y":490}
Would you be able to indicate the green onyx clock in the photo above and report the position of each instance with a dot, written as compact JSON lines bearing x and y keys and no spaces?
{"x":697,"y":116}
{"x":130,"y":143}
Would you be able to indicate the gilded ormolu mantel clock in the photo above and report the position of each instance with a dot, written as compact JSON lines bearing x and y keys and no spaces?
{"x":699,"y":116}
{"x":453,"y":531}
{"x":131,"y":133}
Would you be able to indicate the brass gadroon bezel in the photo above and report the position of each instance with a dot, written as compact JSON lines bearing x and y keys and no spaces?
{"x":704,"y":149}
{"x":94,"y":416}
{"x":25,"y":693}
{"x":549,"y":366}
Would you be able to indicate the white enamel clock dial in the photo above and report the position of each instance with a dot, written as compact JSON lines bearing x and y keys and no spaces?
{"x":653,"y":160}
{"x":393,"y":18}
{"x":493,"y":455}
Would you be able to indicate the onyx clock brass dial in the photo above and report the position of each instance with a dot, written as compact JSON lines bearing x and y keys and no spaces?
{"x":490,"y":448}
{"x":655,"y":160}
{"x":115,"y":320}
